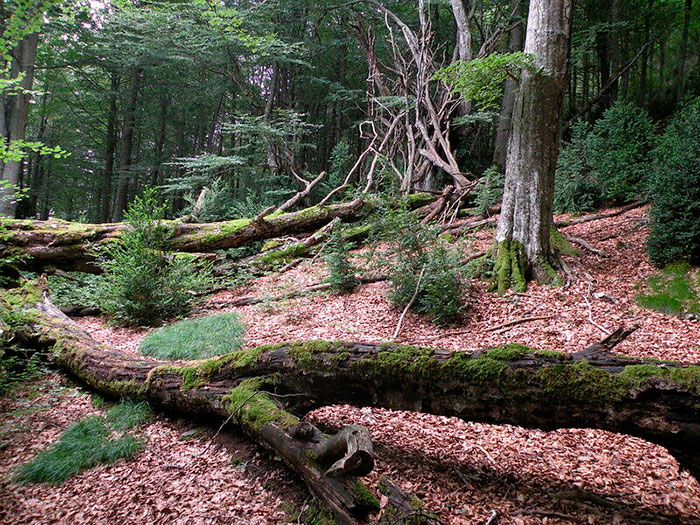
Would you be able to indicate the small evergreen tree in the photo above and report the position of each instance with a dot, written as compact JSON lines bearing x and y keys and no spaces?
{"x":142,"y":283}
{"x":341,"y":272}
{"x":675,"y":191}
{"x":415,"y":251}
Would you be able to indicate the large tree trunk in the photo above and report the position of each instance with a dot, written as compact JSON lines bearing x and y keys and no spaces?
{"x":514,"y":385}
{"x":70,"y":246}
{"x":526,"y":213}
{"x":17,"y":114}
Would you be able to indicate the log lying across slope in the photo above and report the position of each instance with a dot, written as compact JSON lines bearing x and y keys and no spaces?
{"x":656,"y":401}
{"x":70,"y":245}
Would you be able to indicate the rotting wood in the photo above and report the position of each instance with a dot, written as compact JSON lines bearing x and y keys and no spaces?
{"x":67,"y":245}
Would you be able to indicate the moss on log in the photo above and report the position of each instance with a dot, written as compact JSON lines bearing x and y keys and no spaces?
{"x":68,"y":245}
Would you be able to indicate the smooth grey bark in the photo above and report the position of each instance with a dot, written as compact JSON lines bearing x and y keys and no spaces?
{"x":16,"y":109}
{"x":464,"y":35}
{"x":515,"y":43}
{"x":526,"y":212}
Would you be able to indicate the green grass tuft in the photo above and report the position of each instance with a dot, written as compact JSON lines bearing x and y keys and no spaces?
{"x":88,"y":443}
{"x":128,"y":414}
{"x":197,"y":338}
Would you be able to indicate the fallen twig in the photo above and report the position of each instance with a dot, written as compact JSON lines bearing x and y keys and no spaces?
{"x":587,"y":246}
{"x":493,"y":518}
{"x":590,"y":313}
{"x":518,"y":321}
{"x":408,"y":306}
{"x":599,"y":216}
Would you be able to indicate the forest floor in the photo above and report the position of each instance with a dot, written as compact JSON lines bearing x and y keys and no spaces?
{"x":463,"y":471}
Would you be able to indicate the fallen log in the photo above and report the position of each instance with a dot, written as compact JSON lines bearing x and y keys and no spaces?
{"x":598,"y":216}
{"x":514,"y":384}
{"x":71,"y":246}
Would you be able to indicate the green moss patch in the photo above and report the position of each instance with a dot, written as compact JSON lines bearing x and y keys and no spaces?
{"x":560,"y":244}
{"x":674,"y":291}
{"x":197,"y":338}
{"x":509,"y":267}
{"x":255,"y":409}
{"x":365,"y":498}
{"x":636,"y":376}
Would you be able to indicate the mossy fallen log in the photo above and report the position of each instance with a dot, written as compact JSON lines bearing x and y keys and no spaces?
{"x":71,"y":246}
{"x":657,"y":401}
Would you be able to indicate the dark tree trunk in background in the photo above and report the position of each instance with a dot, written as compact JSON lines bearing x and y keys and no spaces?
{"x":684,"y":50}
{"x":110,"y":149}
{"x":515,"y":43}
{"x":614,"y":50}
{"x":128,"y":132}
{"x":644,"y":60}
{"x":156,"y":173}
{"x":34,"y":166}
{"x":522,"y":239}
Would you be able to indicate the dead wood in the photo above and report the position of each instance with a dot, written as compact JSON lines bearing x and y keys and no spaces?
{"x":598,"y":216}
{"x":71,"y":246}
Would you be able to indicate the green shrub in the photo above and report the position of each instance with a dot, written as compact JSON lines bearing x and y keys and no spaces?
{"x":576,"y":187}
{"x":196,"y":338}
{"x":142,"y":283}
{"x":88,"y":443}
{"x":608,"y":161}
{"x":341,"y":272}
{"x":415,"y":250}
{"x":675,"y":191}
{"x":18,"y":365}
{"x":78,"y":289}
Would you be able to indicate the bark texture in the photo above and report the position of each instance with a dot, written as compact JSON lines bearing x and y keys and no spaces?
{"x":526,"y":212}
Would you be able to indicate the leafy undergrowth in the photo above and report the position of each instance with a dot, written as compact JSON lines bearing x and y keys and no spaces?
{"x":674,"y":291}
{"x":88,"y":443}
{"x":196,"y":338}
{"x":75,"y":288}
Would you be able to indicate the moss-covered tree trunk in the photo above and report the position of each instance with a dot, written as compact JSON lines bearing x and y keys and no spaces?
{"x":70,"y":246}
{"x":522,"y":238}
{"x":261,"y":389}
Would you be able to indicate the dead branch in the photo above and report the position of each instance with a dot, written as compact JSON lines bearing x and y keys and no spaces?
{"x":598,"y":216}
